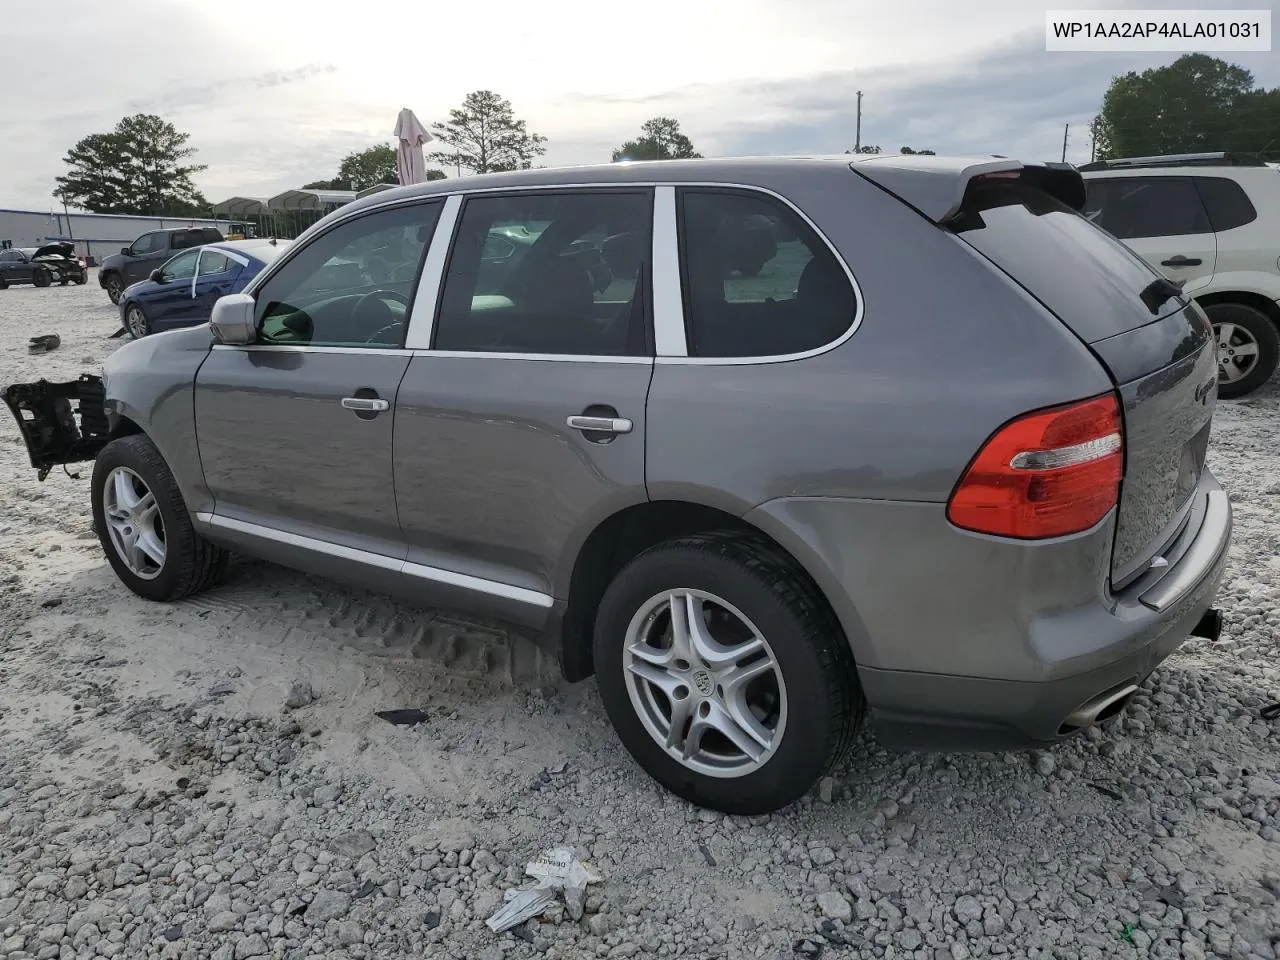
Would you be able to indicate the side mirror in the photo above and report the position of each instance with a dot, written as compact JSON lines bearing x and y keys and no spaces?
{"x":157,"y":275}
{"x":127,"y":251}
{"x":232,"y":319}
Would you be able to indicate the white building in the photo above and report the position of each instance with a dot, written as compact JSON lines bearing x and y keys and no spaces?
{"x":95,"y":235}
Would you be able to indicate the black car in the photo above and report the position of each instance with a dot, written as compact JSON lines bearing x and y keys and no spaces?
{"x":62,"y":261}
{"x":136,"y":261}
{"x":42,"y":266}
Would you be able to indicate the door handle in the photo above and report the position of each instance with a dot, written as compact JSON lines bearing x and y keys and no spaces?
{"x":366,"y":404}
{"x":600,"y":424}
{"x":1181,"y":261}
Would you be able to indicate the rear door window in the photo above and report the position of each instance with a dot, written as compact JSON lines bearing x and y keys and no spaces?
{"x":1094,"y":283}
{"x":212,"y":262}
{"x":758,"y":281}
{"x":551,"y":273}
{"x":1131,"y":208}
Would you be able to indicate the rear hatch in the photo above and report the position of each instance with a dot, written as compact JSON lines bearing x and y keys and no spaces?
{"x":1157,"y":345}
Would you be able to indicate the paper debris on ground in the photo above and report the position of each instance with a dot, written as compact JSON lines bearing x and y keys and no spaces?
{"x":558,"y":872}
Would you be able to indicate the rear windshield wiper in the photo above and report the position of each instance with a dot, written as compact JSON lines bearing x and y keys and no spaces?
{"x":1160,"y":290}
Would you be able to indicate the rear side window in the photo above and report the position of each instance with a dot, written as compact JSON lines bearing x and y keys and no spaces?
{"x":186,"y":238}
{"x":549,"y":273}
{"x":1094,"y":283}
{"x":1226,"y":203}
{"x":1134,"y":207}
{"x":757,"y":280}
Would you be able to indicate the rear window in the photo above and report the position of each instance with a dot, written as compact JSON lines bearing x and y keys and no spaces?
{"x":1089,"y":279}
{"x":1227,"y":204}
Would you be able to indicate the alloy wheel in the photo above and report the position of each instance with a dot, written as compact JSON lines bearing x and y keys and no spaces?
{"x":134,"y":523}
{"x":1237,"y":351}
{"x":705,"y":683}
{"x":136,"y":321}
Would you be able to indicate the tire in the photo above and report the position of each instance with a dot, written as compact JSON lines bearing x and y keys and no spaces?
{"x":115,"y":288}
{"x":135,"y":320}
{"x":189,"y":563}
{"x":1247,"y":328}
{"x":82,"y":279}
{"x":41,"y":278}
{"x":821,"y":704}
{"x":4,"y":284}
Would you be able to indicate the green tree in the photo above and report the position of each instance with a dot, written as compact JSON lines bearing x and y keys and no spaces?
{"x":138,"y":168}
{"x":866,"y":148}
{"x":920,"y":153}
{"x":660,"y":139}
{"x":484,"y":136}
{"x":365,"y":168}
{"x":1198,"y":103}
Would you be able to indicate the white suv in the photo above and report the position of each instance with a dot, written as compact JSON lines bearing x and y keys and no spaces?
{"x":1211,"y":221}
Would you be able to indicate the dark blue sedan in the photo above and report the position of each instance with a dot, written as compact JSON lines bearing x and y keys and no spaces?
{"x":181,"y":291}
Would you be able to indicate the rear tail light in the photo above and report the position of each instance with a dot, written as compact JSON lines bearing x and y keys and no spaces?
{"x":1046,"y":474}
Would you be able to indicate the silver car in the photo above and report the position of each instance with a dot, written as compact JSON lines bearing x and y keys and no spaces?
{"x":940,"y":459}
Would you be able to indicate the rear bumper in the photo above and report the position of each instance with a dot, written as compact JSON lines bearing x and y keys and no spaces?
{"x":916,"y":710}
{"x":971,"y":642}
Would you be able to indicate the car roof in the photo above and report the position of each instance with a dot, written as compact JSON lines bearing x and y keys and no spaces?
{"x":925,"y":173}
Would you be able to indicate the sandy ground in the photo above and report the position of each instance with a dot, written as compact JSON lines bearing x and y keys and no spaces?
{"x":116,"y":713}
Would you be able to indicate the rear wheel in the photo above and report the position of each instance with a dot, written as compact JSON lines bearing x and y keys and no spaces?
{"x":4,"y":284}
{"x":724,"y":674}
{"x":41,"y":278}
{"x":1248,"y":347}
{"x":115,"y":288}
{"x":144,"y":527}
{"x":136,"y":322}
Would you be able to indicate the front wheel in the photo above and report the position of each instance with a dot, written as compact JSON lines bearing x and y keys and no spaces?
{"x":115,"y":288}
{"x":143,"y":524}
{"x":1248,"y":347}
{"x":724,"y":674}
{"x":41,"y":278}
{"x":136,"y":322}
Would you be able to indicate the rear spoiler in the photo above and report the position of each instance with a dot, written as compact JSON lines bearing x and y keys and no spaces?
{"x":936,"y":186}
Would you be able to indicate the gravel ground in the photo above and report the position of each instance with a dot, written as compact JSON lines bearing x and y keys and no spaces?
{"x":208,"y":779}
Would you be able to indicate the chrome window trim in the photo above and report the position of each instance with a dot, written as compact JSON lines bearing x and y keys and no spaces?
{"x":668,"y":298}
{"x":422,"y":571}
{"x":307,"y":348}
{"x":672,"y":239}
{"x":443,"y":354}
{"x":422,"y":320}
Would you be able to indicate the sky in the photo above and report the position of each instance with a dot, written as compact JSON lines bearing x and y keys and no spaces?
{"x":274,"y":93}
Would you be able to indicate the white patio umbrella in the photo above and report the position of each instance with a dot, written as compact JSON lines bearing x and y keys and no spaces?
{"x":411,"y":135}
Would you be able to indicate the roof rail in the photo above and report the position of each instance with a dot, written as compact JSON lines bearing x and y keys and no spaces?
{"x":1221,"y":158}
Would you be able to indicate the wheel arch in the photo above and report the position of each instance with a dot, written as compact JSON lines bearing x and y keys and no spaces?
{"x":626,"y":533}
{"x":1260,"y":302}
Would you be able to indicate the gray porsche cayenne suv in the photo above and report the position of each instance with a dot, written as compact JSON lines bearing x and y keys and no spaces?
{"x":939,"y":460}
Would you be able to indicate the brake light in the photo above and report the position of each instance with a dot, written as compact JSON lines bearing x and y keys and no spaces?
{"x":1046,"y":474}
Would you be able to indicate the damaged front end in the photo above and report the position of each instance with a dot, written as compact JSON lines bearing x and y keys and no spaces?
{"x":61,"y":423}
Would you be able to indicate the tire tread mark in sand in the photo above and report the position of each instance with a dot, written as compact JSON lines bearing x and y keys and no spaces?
{"x":293,"y":607}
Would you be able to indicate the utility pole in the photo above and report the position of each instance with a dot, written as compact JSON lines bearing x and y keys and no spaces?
{"x":857,"y":137}
{"x":1065,"y":129}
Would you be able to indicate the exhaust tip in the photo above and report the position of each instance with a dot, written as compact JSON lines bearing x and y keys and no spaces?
{"x":1098,"y":710}
{"x":1210,"y":625}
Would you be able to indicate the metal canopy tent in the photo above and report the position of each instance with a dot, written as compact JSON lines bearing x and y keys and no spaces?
{"x":245,"y":210}
{"x":301,"y":208}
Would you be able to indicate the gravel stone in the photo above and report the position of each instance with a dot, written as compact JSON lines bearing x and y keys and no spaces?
{"x":835,"y":906}
{"x":144,"y":819}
